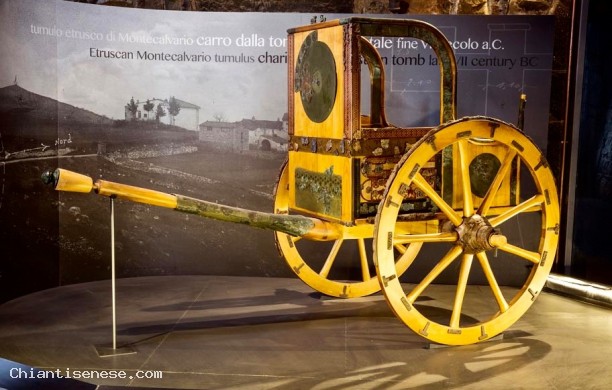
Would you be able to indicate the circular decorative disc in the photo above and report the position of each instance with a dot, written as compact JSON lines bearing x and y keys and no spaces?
{"x":483,"y":169}
{"x":315,"y":78}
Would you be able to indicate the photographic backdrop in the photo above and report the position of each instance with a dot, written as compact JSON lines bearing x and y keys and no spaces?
{"x":96,"y":89}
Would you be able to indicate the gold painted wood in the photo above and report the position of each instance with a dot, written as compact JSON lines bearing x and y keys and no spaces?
{"x":135,"y":194}
{"x":376,"y":67}
{"x":471,"y":230}
{"x":66,"y":180}
{"x":333,"y":126}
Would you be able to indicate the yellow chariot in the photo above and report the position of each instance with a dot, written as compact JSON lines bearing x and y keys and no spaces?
{"x":385,"y":194}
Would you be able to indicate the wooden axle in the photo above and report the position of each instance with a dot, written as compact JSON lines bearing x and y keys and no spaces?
{"x":295,"y":225}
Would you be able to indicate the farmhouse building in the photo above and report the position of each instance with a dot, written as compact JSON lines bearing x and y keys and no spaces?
{"x":224,"y":135}
{"x":246,"y":134}
{"x":187,"y":118}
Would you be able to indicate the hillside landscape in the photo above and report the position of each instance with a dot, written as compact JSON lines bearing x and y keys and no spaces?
{"x":51,"y":238}
{"x":37,"y":124}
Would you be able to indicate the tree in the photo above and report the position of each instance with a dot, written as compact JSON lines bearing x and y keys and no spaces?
{"x":148,"y":107}
{"x":219,"y":117}
{"x":159,"y":113}
{"x":173,"y":108}
{"x":132,"y":108}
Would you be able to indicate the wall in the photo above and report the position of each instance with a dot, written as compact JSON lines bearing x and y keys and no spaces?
{"x":557,"y":127}
{"x":562,"y":9}
{"x":559,"y":143}
{"x":225,"y":136}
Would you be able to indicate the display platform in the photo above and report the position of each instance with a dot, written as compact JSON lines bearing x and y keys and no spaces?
{"x":210,"y":332}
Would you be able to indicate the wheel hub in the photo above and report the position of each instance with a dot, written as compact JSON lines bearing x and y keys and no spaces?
{"x":476,"y":234}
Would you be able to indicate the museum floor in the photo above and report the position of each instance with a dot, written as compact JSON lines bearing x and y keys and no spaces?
{"x":206,"y":332}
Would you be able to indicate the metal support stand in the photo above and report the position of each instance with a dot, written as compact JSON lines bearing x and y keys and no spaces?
{"x":103,"y":350}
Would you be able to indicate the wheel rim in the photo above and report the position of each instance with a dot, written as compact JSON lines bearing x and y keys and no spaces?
{"x":316,"y":263}
{"x":472,"y":234}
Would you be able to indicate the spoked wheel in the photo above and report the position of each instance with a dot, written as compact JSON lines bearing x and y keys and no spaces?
{"x":470,"y":234}
{"x":340,"y":268}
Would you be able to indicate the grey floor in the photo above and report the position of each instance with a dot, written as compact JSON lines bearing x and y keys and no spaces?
{"x":206,"y":332}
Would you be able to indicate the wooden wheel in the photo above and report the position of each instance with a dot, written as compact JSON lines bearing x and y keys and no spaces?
{"x":470,"y":233}
{"x":322,"y":264}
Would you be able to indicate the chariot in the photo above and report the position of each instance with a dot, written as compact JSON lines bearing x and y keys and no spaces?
{"x":389,"y":196}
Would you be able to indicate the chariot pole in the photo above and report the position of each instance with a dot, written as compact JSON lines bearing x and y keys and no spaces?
{"x":294,"y":225}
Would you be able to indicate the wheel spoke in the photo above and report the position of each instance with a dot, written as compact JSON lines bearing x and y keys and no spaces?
{"x":499,"y":177}
{"x":466,"y":187}
{"x":486,"y":267}
{"x":534,"y":257}
{"x":331,"y":258}
{"x":531,"y":202}
{"x":433,"y":274}
{"x":464,"y":273}
{"x":363,"y":256}
{"x":432,"y":237}
{"x":407,"y":254}
{"x":424,"y":186}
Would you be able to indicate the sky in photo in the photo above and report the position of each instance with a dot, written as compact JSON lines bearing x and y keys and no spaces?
{"x":233,"y":65}
{"x":59,"y":49}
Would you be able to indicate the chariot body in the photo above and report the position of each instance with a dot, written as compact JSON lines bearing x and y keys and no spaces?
{"x":362,"y":205}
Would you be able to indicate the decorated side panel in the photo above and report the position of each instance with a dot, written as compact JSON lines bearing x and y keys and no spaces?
{"x":317,"y":93}
{"x":321,"y":185}
{"x":320,"y":172}
{"x":382,"y":149}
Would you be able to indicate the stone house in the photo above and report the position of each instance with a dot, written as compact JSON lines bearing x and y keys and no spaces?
{"x":224,"y":135}
{"x":267,"y":135}
{"x":246,"y":134}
